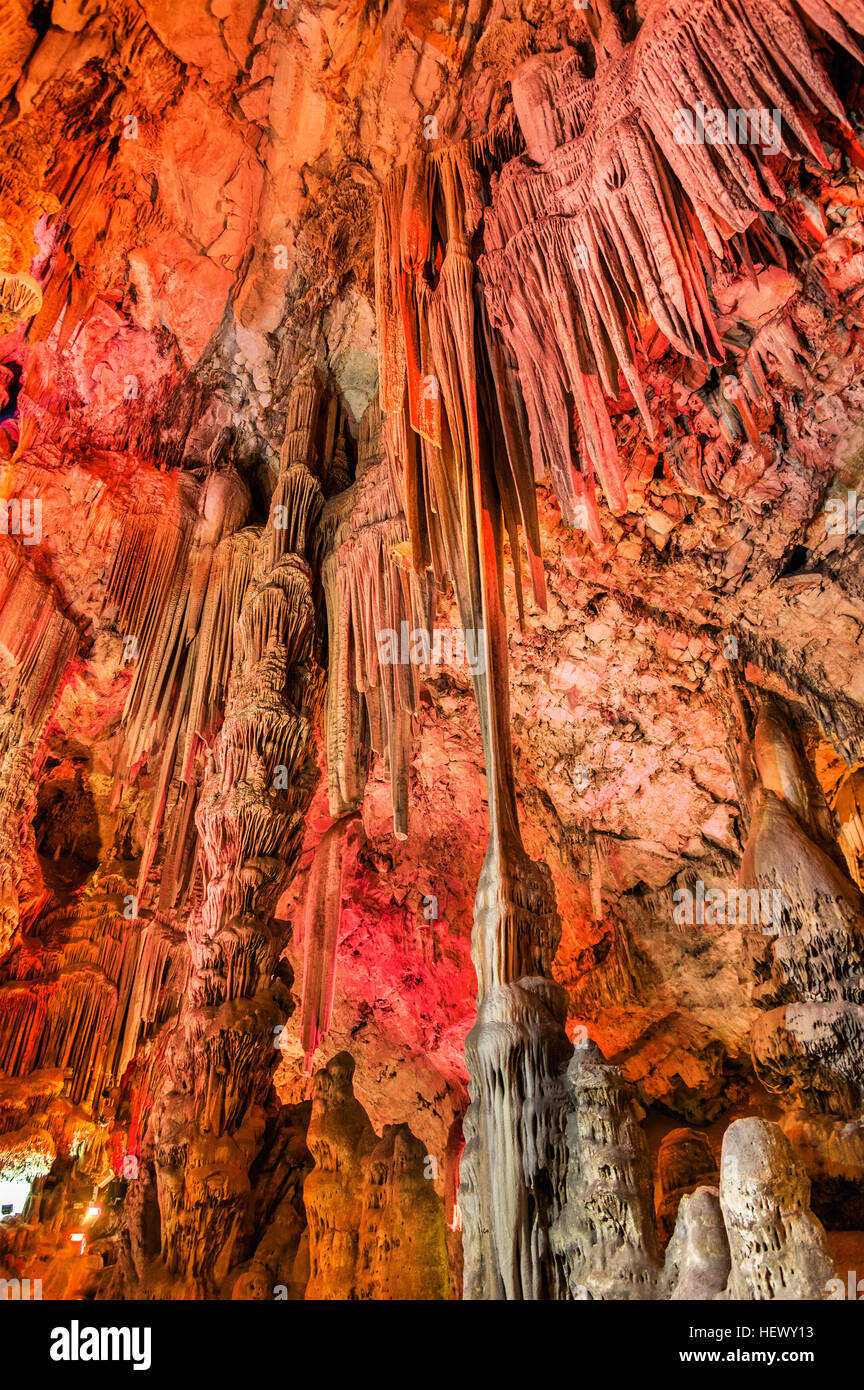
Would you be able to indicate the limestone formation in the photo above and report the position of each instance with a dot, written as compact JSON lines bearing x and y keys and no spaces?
{"x":777,"y":1246}
{"x":402,"y":1240}
{"x":431,"y":446}
{"x":697,"y":1257}
{"x":339,"y":1138}
{"x":606,"y":1233}
{"x":376,"y":1224}
{"x":811,"y":965}
{"x":205,"y":1120}
{"x":685,"y":1161}
{"x":371,"y":596}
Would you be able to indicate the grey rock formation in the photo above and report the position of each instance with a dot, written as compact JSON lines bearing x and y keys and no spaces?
{"x":697,"y":1259}
{"x":778,"y":1248}
{"x":606,"y":1234}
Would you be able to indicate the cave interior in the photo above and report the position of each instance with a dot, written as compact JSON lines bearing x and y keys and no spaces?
{"x":431,"y":650}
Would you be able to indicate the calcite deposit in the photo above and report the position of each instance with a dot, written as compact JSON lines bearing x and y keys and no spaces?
{"x":431,"y":675}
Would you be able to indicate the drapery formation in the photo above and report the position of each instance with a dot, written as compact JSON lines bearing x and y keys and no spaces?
{"x":38,"y":637}
{"x":371,"y":589}
{"x":250,"y":817}
{"x":618,"y":216}
{"x":177,"y":582}
{"x":646,"y":236}
{"x":635,"y":180}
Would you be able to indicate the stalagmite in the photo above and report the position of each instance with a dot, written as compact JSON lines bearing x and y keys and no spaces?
{"x":809,"y":955}
{"x":697,"y":1257}
{"x":376,"y":1223}
{"x":250,"y":819}
{"x":606,"y":1234}
{"x":279,"y":1264}
{"x":339,"y":1138}
{"x":777,"y":1246}
{"x":596,"y":237}
{"x":402,"y":1245}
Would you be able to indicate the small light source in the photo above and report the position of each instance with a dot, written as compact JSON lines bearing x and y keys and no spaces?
{"x":79,"y":1238}
{"x":92,"y":1213}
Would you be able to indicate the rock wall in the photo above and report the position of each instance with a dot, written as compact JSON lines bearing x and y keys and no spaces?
{"x":431,"y":700}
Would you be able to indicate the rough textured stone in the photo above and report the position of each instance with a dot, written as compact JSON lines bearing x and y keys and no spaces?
{"x":450,"y":276}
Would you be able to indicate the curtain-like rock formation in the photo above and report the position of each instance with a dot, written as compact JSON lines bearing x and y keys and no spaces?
{"x":206,"y":1124}
{"x":623,"y":203}
{"x":372,"y":595}
{"x":324,"y":326}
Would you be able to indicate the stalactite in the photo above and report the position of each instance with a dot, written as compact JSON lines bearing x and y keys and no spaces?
{"x":621,"y":201}
{"x":321,"y":923}
{"x":38,"y":636}
{"x":464,"y":476}
{"x":370,"y":702}
{"x":26,"y":1154}
{"x":603,"y":223}
{"x":206,"y":1122}
{"x":536,"y":287}
{"x":79,"y":999}
{"x":809,"y":953}
{"x":177,"y":582}
{"x":40,"y":640}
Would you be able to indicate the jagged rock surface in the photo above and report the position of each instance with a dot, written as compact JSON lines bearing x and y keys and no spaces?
{"x":628,"y":363}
